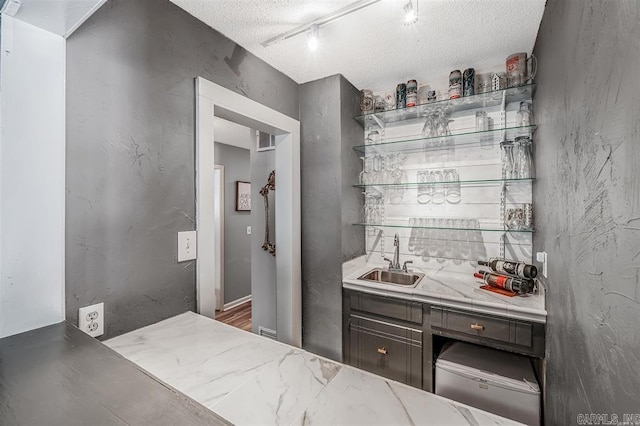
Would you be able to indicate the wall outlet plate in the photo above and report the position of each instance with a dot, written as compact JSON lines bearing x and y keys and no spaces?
{"x":91,"y":319}
{"x":541,"y":257}
{"x":186,"y":246}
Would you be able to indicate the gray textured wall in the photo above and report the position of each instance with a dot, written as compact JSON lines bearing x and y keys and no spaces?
{"x":328,"y":169}
{"x":237,"y":244}
{"x":588,"y":204}
{"x":263,"y":265}
{"x":130,"y":153}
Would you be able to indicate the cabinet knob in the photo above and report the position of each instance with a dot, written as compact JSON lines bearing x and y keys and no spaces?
{"x":382,"y":351}
{"x":477,"y":327}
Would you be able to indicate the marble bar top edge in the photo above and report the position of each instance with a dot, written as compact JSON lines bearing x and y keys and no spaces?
{"x":287,"y":389}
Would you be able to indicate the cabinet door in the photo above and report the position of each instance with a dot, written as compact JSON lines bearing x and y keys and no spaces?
{"x":389,"y":350}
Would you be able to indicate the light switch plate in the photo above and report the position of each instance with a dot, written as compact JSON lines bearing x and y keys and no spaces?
{"x":186,"y":246}
{"x":248,"y":230}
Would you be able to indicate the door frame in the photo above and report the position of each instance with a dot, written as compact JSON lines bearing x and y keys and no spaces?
{"x":219,"y":253}
{"x":214,"y":100}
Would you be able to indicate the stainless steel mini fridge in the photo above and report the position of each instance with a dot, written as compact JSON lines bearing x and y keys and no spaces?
{"x":495,"y":381}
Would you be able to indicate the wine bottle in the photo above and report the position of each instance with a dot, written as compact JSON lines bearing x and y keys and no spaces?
{"x":516,"y":285}
{"x":510,"y":267}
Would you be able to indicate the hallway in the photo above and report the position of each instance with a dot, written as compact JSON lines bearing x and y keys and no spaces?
{"x":239,"y":316}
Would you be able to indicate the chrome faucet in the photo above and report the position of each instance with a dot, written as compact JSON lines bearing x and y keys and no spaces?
{"x":394,"y":265}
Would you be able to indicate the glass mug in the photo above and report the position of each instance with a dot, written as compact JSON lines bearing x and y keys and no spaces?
{"x":366,"y":101}
{"x":519,"y":71}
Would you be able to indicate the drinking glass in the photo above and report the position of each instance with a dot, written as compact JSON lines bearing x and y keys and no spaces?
{"x":449,"y":235}
{"x":465,"y":236}
{"x":378,"y":103}
{"x":438,"y":192}
{"x":378,"y":168}
{"x":430,"y":235}
{"x":373,"y":137}
{"x":524,"y":119}
{"x":389,"y":101}
{"x":484,"y":82}
{"x":452,"y":188}
{"x":412,"y":237}
{"x":522,"y":158}
{"x":429,"y":128}
{"x":506,"y":149}
{"x":388,"y":165}
{"x":424,"y":191}
{"x":368,"y":164}
{"x":397,"y":179}
{"x":363,"y":177}
{"x":440,"y":238}
{"x":442,"y":128}
{"x":482,"y":125}
{"x":421,"y":247}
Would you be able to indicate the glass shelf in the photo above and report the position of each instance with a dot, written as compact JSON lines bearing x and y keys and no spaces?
{"x":465,"y":140}
{"x":477,"y":182}
{"x":492,"y":229}
{"x":483,"y":100}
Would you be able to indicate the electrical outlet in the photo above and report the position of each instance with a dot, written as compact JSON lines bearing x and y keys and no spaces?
{"x":541,"y":257}
{"x":91,"y":319}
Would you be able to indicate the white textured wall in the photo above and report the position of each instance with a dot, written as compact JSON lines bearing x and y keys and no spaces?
{"x":32,"y":176}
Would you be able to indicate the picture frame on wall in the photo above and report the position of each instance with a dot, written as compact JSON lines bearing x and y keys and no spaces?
{"x":243,"y":196}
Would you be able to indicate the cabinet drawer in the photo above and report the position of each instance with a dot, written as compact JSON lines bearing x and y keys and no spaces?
{"x":500,"y":329}
{"x":391,"y":351}
{"x":392,"y":308}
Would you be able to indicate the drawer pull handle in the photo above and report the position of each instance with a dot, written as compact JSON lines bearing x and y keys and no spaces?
{"x":477,"y":327}
{"x":382,"y":351}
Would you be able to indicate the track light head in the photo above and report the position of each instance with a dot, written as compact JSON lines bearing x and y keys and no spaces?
{"x":410,"y":13}
{"x":313,"y":37}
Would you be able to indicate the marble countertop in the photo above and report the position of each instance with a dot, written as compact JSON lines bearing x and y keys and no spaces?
{"x":248,"y":379}
{"x":452,"y":289}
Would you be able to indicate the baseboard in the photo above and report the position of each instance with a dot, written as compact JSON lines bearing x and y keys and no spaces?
{"x":237,"y":302}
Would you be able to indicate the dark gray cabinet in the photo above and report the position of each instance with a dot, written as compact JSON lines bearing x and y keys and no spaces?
{"x":513,"y":335}
{"x":394,"y":338}
{"x":386,"y":349}
{"x":389,"y":337}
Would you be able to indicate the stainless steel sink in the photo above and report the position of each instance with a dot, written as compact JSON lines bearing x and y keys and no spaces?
{"x":381,"y":275}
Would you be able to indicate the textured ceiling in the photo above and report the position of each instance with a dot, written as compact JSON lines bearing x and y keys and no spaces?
{"x":371,"y":47}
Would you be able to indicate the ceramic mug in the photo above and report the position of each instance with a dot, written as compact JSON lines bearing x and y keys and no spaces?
{"x":519,"y":71}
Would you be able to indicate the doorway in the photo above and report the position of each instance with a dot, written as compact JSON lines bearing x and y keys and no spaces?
{"x":234,"y":219}
{"x":215,"y":101}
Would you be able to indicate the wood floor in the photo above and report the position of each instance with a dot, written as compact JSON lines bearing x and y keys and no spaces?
{"x":239,"y":317}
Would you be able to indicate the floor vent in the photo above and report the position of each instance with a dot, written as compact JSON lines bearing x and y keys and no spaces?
{"x":271,"y":334}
